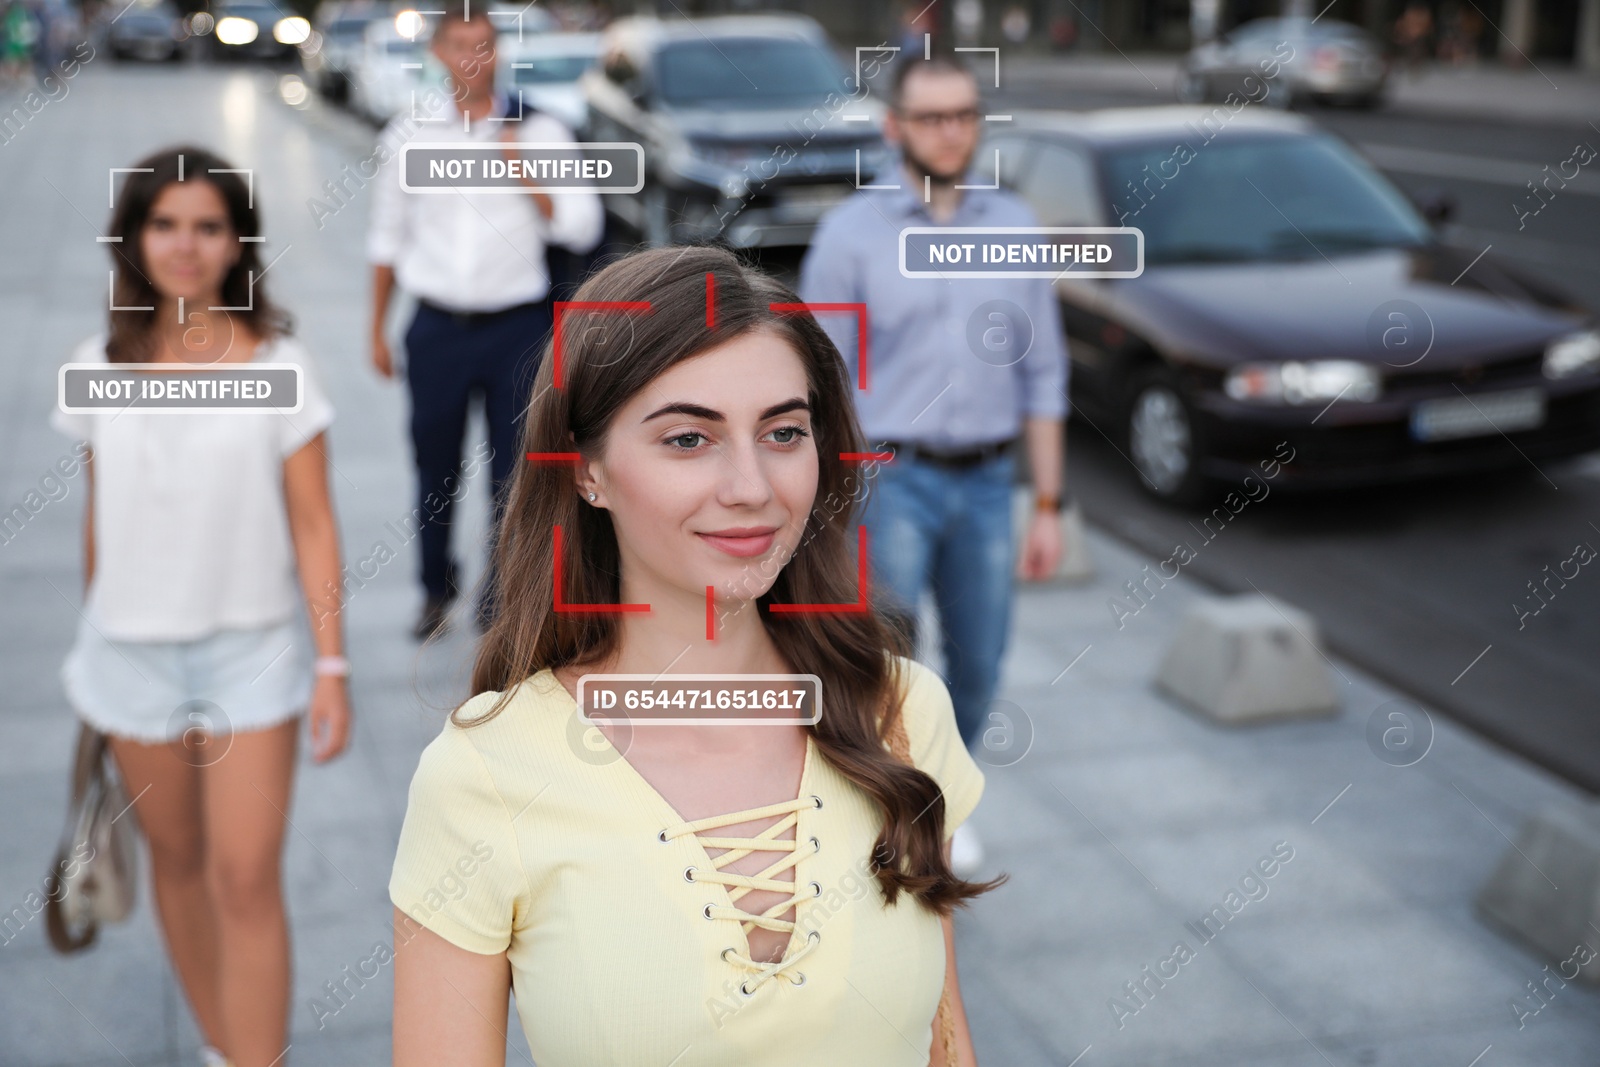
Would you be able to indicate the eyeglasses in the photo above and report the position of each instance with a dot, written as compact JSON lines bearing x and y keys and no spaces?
{"x":932,"y":120}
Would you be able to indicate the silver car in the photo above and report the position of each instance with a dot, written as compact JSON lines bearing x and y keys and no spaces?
{"x":1283,"y":61}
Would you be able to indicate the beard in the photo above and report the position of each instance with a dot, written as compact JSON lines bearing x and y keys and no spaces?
{"x":921,"y":169}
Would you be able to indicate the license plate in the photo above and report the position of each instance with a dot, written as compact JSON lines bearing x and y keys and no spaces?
{"x":812,"y":197}
{"x":1479,"y":415}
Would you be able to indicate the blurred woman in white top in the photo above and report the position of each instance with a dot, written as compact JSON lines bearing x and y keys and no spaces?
{"x":212,"y":575}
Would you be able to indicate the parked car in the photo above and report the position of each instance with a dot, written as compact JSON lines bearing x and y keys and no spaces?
{"x":329,"y":54}
{"x":545,"y":70}
{"x":389,"y":67}
{"x":151,"y":30}
{"x":742,"y":119}
{"x":1293,"y":302}
{"x":1323,"y":60}
{"x":250,"y":29}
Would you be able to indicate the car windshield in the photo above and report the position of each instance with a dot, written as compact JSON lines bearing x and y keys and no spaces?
{"x":260,"y":14}
{"x":750,"y":72}
{"x":1256,"y":199}
{"x":551,"y":70}
{"x":348,"y":29}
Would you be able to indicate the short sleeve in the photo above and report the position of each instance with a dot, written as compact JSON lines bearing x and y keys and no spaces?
{"x":936,"y":745}
{"x":80,"y":425}
{"x":316,"y":411}
{"x":457,"y":870}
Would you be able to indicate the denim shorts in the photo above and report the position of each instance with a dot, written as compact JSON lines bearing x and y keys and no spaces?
{"x":229,"y":681}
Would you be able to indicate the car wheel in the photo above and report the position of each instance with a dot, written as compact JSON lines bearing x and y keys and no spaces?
{"x":1191,"y":88}
{"x":1163,"y":441}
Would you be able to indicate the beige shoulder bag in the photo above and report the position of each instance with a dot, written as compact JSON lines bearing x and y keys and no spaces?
{"x":96,"y":867}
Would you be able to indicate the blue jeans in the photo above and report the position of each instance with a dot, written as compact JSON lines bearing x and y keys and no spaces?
{"x":448,"y":363}
{"x":950,"y":528}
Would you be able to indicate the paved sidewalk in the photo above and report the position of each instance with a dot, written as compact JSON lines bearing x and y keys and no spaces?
{"x":1126,"y":819}
{"x":1547,"y":94}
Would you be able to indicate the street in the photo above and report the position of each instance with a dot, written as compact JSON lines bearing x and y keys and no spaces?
{"x":1130,"y":816}
{"x":1417,"y":583}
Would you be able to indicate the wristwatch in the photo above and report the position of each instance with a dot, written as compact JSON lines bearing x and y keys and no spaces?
{"x":1046,"y":502}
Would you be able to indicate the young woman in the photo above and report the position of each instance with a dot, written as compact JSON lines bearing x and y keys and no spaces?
{"x":207,"y":537}
{"x":691,"y":894}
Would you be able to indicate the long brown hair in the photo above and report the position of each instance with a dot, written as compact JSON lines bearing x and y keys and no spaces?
{"x":130,"y":337}
{"x":607,"y":358}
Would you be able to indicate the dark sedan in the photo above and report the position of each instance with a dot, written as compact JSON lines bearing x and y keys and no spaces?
{"x":1293,"y":302}
{"x":749,"y":129}
{"x":152,"y":30}
{"x":246,"y":30}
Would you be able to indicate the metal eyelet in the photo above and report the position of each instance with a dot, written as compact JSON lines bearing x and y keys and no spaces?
{"x":663,"y":838}
{"x":747,"y":992}
{"x":800,"y":980}
{"x":688,"y":874}
{"x":816,"y":800}
{"x":724,"y":953}
{"x":816,"y":889}
{"x":816,"y":846}
{"x":707,"y":911}
{"x":815,"y":936}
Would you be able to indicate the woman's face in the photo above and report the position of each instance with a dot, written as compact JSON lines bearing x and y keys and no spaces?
{"x":188,"y":243}
{"x":710,"y":470}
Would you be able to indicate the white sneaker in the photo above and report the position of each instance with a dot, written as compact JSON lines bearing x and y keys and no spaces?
{"x":211,"y":1057}
{"x":966,"y":851}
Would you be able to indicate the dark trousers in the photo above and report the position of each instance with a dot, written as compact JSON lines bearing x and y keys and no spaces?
{"x":449,"y":360}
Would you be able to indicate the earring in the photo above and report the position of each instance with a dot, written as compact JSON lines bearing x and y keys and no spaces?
{"x":591,"y":496}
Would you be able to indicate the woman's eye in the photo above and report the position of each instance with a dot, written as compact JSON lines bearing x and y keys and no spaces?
{"x":678,"y":441}
{"x":795,"y":435}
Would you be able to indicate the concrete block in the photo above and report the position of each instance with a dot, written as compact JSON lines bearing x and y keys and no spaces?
{"x":1546,"y":889}
{"x":1245,"y":658}
{"x":1075,"y":565}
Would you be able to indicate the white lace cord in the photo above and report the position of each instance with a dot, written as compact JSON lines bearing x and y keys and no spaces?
{"x":740,"y":884}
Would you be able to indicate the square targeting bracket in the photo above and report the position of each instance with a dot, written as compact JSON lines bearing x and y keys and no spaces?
{"x":863,"y":329}
{"x":561,"y":605}
{"x":860,"y":606}
{"x":250,"y":194}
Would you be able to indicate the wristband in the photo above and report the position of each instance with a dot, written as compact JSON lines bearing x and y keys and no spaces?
{"x":1046,"y":502}
{"x":331,"y":667}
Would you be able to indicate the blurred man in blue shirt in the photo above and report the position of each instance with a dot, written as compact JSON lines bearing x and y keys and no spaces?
{"x":960,"y":371}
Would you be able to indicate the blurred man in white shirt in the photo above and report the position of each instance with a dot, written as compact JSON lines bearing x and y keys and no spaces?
{"x":477,"y":265}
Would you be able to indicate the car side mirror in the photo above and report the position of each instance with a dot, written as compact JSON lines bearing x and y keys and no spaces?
{"x":1437,"y":207}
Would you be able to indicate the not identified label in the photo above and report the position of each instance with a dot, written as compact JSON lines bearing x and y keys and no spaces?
{"x":158,"y":388}
{"x":514,"y":167}
{"x":1022,"y":252}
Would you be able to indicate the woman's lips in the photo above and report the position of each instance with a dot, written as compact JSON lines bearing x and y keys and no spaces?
{"x":743,"y":545}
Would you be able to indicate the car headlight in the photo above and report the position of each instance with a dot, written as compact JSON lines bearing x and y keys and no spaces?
{"x":1304,"y":383}
{"x":235,"y":30}
{"x":408,"y":23}
{"x":292,"y":30}
{"x":1576,"y":353}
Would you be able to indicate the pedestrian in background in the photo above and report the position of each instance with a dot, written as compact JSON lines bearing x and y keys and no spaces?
{"x":207,"y":537}
{"x":477,"y":265}
{"x":940,"y":512}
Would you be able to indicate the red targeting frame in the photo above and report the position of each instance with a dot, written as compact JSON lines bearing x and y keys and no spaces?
{"x":625,"y":307}
{"x":859,"y":607}
{"x":589,"y":609}
{"x":863,"y":328}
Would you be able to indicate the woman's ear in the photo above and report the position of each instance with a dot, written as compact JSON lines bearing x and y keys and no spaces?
{"x":588,"y":481}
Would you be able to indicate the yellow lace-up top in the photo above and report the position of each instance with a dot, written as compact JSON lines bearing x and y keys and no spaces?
{"x":531,"y":835}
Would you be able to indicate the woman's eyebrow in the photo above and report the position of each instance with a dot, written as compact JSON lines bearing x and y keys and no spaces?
{"x":698,"y":411}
